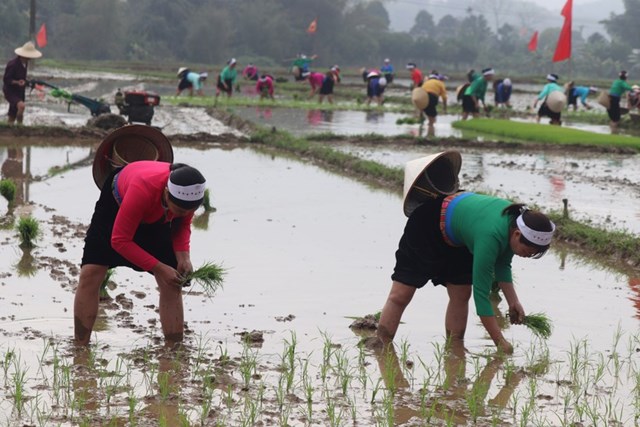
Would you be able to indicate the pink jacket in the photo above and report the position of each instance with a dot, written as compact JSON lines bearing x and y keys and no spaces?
{"x":140,"y":186}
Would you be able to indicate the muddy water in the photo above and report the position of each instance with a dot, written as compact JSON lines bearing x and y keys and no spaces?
{"x":294,"y":238}
{"x":296,"y":241}
{"x":600,"y":188}
{"x":301,"y":122}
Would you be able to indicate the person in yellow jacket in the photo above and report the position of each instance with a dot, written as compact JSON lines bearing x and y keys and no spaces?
{"x":434,"y":86}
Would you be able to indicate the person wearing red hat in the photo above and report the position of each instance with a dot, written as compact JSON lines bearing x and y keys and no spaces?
{"x":15,"y":81}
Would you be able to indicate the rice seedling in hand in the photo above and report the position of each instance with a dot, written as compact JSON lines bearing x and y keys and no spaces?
{"x":206,"y":203}
{"x":210,"y":276}
{"x":8,"y":190}
{"x":539,"y":323}
{"x":29,"y":231}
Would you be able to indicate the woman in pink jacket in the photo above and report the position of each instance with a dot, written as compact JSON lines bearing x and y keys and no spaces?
{"x":142,"y":220}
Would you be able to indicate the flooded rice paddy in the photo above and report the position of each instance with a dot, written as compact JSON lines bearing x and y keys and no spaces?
{"x":305,"y":250}
{"x":601,"y":188}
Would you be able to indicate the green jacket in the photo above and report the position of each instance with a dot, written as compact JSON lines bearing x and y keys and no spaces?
{"x":619,"y":87}
{"x":477,"y":88}
{"x":477,"y":222}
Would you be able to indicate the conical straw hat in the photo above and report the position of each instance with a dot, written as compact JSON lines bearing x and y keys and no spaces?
{"x":604,"y":100}
{"x":420,"y":98}
{"x":129,"y":144}
{"x":28,"y":50}
{"x":430,"y":176}
{"x":556,"y":101}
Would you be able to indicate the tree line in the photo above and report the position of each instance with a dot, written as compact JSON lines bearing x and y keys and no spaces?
{"x":272,"y":32}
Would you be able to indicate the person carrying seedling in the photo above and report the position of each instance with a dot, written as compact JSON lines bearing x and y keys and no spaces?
{"x":475,"y":93}
{"x":463,"y":241}
{"x":142,"y":220}
{"x":546,"y":109}
{"x":14,"y":81}
{"x":227,"y":78}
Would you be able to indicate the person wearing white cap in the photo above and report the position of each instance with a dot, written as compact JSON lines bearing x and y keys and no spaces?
{"x":227,"y":78}
{"x":387,"y":70}
{"x":633,"y":98}
{"x":574,"y":93}
{"x":618,"y":88}
{"x":465,"y":242}
{"x":417,"y":77}
{"x":502,"y":92}
{"x":191,"y":80}
{"x":300,"y":66}
{"x":14,"y":82}
{"x":546,"y":110}
{"x":375,"y":88}
{"x":265,"y":86}
{"x":475,"y":93}
{"x":142,"y":220}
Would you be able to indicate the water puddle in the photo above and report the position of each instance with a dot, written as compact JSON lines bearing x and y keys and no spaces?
{"x":304,"y":250}
{"x":305,"y":122}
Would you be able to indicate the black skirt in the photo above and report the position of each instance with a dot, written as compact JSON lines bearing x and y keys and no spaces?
{"x":423,"y":254}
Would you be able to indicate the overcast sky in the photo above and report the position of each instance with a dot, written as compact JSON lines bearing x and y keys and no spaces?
{"x":587,"y":13}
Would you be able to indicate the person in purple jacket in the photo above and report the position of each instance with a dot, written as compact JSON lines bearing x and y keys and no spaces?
{"x":14,"y":81}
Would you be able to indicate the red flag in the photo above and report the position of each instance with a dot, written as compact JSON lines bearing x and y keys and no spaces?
{"x":41,"y":38}
{"x":313,"y":26}
{"x":563,"y":49}
{"x":533,"y":43}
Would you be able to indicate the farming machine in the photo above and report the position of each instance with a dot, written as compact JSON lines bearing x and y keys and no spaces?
{"x":95,"y":106}
{"x":137,"y":105}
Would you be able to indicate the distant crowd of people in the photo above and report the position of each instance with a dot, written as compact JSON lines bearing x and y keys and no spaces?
{"x":550,"y":102}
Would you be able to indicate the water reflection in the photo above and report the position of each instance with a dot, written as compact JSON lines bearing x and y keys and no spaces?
{"x":451,"y":396}
{"x":374,"y":116}
{"x":13,"y":168}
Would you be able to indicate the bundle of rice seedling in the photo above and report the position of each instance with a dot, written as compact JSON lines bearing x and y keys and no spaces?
{"x":29,"y":231}
{"x":539,"y":323}
{"x":206,"y":203}
{"x":8,"y":190}
{"x":209,"y":276}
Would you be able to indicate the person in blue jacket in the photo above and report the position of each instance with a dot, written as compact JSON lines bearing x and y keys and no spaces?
{"x":502,"y":92}
{"x":387,"y":70}
{"x":578,"y":92}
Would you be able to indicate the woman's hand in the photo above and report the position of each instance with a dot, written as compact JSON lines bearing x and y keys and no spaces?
{"x":504,"y":346}
{"x":516,"y":313}
{"x":184,"y":263}
{"x":166,"y":275}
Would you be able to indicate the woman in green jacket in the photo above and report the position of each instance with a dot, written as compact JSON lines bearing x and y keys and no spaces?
{"x":618,"y":88}
{"x":464,"y":242}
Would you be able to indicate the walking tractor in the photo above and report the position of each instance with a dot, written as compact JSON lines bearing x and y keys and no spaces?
{"x":95,"y":106}
{"x":138,"y":106}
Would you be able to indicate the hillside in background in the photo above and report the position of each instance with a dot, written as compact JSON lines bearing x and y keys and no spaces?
{"x":537,"y":15}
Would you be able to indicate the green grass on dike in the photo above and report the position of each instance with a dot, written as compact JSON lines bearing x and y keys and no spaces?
{"x":545,"y":133}
{"x":614,"y":245}
{"x":336,"y":160}
{"x":303,"y":103}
